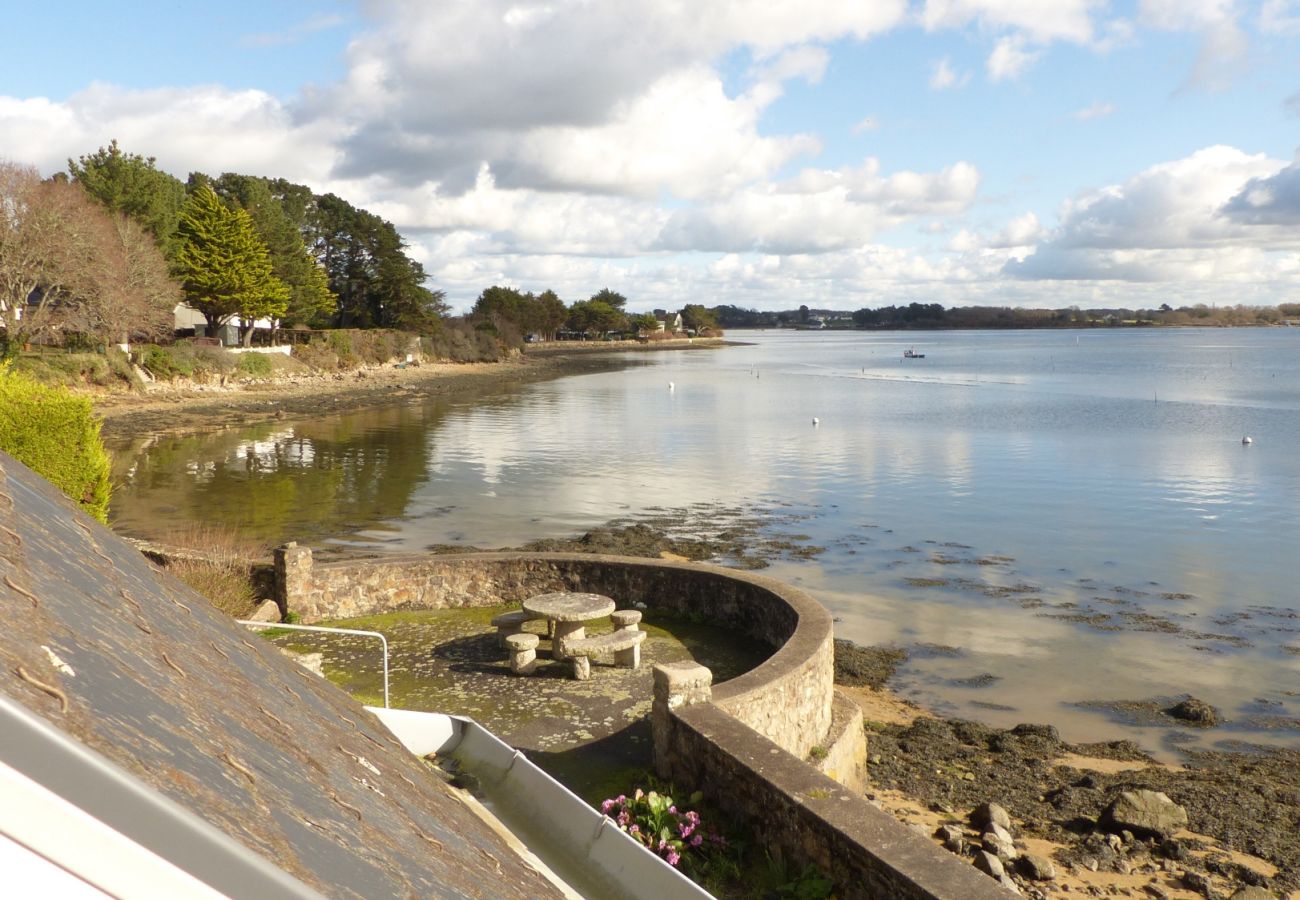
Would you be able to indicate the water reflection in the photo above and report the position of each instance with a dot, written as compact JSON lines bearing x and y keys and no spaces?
{"x":1079,"y":505}
{"x":275,"y":482}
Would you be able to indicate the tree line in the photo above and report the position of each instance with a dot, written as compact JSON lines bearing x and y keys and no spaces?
{"x":107,"y":249}
{"x":923,"y":316}
{"x":512,"y":313}
{"x":103,"y":253}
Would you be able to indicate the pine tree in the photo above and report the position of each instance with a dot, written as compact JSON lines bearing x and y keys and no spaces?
{"x":224,"y":266}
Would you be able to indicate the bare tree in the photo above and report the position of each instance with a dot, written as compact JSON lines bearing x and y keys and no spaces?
{"x":51,"y":243}
{"x":66,"y":265}
{"x":137,"y":297}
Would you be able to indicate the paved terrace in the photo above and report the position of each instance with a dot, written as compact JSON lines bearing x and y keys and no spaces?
{"x":593,"y":735}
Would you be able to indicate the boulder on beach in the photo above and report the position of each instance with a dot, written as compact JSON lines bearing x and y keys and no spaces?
{"x":1144,"y":812}
{"x":987,"y":814}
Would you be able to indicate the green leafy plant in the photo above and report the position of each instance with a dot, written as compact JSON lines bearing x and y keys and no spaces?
{"x":254,"y":365}
{"x":808,"y":884}
{"x":54,"y":433}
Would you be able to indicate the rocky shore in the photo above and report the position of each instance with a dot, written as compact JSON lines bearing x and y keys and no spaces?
{"x":182,"y":405}
{"x":1048,"y":818}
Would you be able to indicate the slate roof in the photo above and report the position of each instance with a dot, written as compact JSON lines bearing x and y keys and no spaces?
{"x":197,"y":708}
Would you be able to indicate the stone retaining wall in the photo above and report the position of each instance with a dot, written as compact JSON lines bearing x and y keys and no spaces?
{"x":743,"y":742}
{"x":787,"y":698}
{"x":803,"y":816}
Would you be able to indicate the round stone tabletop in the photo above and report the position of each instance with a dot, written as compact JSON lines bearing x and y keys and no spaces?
{"x":570,"y":607}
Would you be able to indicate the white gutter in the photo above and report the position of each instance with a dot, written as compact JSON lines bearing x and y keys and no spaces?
{"x":59,"y":799}
{"x":583,"y":847}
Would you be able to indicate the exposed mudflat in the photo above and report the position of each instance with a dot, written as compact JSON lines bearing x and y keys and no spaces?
{"x":744,"y":537}
{"x":1243,"y":808}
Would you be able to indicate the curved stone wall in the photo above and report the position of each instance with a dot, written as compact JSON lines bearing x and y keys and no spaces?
{"x":746,"y":744}
{"x":787,"y":698}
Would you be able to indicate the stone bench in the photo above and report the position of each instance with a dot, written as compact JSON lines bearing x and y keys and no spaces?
{"x":523,"y":652}
{"x":625,"y":644}
{"x":512,"y":623}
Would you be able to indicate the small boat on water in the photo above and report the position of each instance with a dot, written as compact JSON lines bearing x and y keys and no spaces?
{"x":912,"y":354}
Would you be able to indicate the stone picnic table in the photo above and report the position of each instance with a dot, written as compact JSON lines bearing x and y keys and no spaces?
{"x":569,"y":611}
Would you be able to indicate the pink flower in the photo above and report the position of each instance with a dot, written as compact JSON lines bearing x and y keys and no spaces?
{"x":697,"y":840}
{"x":673,"y":857}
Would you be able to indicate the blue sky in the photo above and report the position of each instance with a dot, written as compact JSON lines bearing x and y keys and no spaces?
{"x":765,"y":154}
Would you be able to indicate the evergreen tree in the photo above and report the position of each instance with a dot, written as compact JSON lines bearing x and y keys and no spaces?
{"x":377,"y":284}
{"x":224,"y":266}
{"x":132,"y":184}
{"x":310,"y":298}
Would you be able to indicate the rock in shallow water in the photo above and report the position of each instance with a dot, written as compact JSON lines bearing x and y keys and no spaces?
{"x":1195,"y":712}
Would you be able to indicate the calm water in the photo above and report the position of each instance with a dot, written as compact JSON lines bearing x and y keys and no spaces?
{"x":1071,"y":515}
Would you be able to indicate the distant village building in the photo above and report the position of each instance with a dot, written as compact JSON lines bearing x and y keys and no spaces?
{"x":188,"y":320}
{"x":669,"y":322}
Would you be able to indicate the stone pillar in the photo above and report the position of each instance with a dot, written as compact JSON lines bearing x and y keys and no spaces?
{"x":676,"y":685}
{"x":292,"y":578}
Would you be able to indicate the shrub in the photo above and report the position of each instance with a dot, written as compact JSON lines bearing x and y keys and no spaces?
{"x":54,"y":434}
{"x":160,"y":363}
{"x":254,"y":365}
{"x":459,"y":341}
{"x":217,"y":562}
{"x":341,"y":343}
{"x":78,"y":369}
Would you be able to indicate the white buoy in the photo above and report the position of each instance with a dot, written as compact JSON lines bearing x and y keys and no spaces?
{"x":1247,"y":440}
{"x":816,"y":421}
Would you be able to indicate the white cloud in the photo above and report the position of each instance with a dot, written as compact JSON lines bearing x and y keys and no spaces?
{"x":1280,"y":17}
{"x":1210,"y":216}
{"x":244,"y":131}
{"x":294,"y":34}
{"x":869,"y":123}
{"x":1185,"y":15}
{"x":1023,"y":231}
{"x":1098,"y":110}
{"x":943,"y":76}
{"x":1068,"y":20}
{"x":1010,"y":58}
{"x":1270,"y":200}
{"x":493,"y":220}
{"x":1224,"y":46}
{"x":493,"y":72}
{"x":820,"y":210}
{"x":683,"y":134}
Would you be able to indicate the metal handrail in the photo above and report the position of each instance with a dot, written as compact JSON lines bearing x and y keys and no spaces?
{"x":352,"y":631}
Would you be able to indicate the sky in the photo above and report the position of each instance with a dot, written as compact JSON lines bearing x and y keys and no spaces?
{"x":761,"y":153}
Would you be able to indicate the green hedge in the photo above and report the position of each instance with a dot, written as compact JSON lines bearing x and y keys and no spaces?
{"x":53,"y":433}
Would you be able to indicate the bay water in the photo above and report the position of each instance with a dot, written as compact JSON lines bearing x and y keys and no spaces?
{"x":1053,"y":523}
